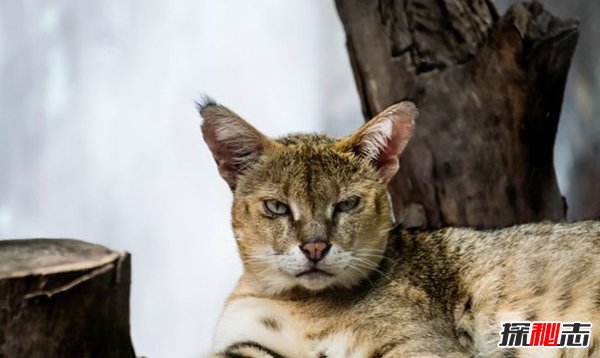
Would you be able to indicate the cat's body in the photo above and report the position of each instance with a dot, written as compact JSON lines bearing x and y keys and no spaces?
{"x":326,"y":276}
{"x":442,"y":293}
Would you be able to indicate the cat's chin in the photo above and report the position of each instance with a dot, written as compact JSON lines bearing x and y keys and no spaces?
{"x":316,"y":281}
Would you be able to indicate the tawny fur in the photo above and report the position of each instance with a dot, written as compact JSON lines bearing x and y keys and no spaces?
{"x":392,"y":292}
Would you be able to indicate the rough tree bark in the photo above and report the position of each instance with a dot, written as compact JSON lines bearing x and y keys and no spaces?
{"x":63,"y":298}
{"x":489,"y":91}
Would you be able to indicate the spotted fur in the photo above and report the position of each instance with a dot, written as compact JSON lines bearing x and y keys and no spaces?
{"x":388,"y":292}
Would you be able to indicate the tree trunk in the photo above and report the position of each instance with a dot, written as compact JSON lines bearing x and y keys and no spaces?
{"x":489,"y":91}
{"x":63,"y":298}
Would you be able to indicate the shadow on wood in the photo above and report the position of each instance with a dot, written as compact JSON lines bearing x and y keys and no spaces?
{"x":63,"y":298}
{"x":489,"y":91}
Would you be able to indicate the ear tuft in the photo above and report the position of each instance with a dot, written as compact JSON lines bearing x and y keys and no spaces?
{"x":382,"y":139}
{"x":234,"y":143}
{"x":205,"y":101}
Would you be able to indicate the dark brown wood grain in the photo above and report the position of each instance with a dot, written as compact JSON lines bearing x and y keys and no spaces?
{"x":489,"y":90}
{"x":63,"y":298}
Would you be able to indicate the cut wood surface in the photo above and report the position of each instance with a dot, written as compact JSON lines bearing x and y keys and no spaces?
{"x":63,"y":298}
{"x":489,"y":90}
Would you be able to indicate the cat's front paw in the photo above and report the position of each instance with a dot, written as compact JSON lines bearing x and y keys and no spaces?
{"x":248,"y":350}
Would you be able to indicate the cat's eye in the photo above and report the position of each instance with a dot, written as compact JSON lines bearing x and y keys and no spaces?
{"x":348,"y":204}
{"x":275,"y":207}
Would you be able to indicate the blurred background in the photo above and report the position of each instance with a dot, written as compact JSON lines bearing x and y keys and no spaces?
{"x":100,"y":140}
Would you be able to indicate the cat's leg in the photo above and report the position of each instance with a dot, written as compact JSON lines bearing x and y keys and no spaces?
{"x":401,"y":353}
{"x":431,"y":346}
{"x":259,"y":327}
{"x":343,"y":343}
{"x":247,"y":350}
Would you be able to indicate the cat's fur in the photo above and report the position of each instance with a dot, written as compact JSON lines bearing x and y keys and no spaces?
{"x":382,"y":292}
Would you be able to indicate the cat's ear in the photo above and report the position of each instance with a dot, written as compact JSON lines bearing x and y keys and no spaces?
{"x":382,"y":139}
{"x":234,"y":143}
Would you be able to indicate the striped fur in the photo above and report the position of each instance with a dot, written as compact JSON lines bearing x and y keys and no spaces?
{"x":380,"y":292}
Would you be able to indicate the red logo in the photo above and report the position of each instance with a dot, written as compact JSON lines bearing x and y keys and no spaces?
{"x":545,"y":334}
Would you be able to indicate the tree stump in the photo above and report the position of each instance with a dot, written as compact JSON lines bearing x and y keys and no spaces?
{"x":63,"y":298}
{"x":489,"y":90}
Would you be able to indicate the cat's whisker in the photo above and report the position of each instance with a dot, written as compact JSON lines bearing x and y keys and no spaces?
{"x":369,"y":251}
{"x":366,"y":260}
{"x":370,"y":266}
{"x":359,"y":253}
{"x":365,"y":275}
{"x":363,"y":265}
{"x":376,"y":258}
{"x":368,"y":255}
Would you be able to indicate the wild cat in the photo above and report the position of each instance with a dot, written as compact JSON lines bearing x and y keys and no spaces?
{"x":326,"y":274}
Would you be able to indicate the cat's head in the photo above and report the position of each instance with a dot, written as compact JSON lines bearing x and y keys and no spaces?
{"x":309,"y":210}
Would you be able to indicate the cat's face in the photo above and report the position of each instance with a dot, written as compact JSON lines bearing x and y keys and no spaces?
{"x":309,"y":211}
{"x":310,"y":215}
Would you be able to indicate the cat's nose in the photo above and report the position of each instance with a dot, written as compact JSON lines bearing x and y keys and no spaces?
{"x":315,"y":249}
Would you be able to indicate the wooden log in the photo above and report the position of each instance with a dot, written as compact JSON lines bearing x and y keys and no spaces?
{"x":63,"y":298}
{"x":489,"y":90}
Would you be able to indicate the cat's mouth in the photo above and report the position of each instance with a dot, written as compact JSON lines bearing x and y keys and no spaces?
{"x":314,"y":272}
